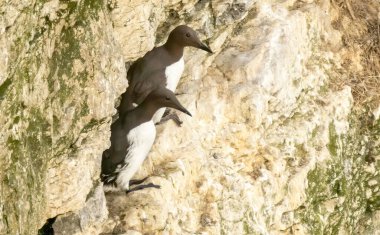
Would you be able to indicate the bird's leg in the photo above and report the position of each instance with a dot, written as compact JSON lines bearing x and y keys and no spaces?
{"x":139,"y":187}
{"x":133,"y":182}
{"x":174,"y":117}
{"x":167,"y":116}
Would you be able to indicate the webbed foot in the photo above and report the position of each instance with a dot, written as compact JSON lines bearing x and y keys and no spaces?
{"x":133,"y":182}
{"x":172,"y":116}
{"x":140,"y":187}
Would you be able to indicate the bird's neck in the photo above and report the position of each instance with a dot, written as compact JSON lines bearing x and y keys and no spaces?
{"x":175,"y":50}
{"x":146,"y":110}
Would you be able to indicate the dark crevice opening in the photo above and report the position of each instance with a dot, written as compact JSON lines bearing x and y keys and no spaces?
{"x":47,"y":229}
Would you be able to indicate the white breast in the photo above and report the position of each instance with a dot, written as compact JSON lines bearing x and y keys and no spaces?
{"x":141,"y":139}
{"x":173,"y":73}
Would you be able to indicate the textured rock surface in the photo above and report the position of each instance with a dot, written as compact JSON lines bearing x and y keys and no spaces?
{"x":60,"y":77}
{"x":264,"y":118}
{"x":87,"y":219}
{"x":271,"y":147}
{"x":261,"y":123}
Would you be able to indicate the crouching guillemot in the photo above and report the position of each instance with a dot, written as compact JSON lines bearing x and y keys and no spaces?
{"x":132,"y":137}
{"x":166,"y":59}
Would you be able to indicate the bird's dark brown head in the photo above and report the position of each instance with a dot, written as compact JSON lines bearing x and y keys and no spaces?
{"x":162,"y":97}
{"x":185,"y":36}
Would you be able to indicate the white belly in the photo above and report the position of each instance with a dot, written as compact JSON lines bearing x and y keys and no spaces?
{"x":173,"y":73}
{"x":141,"y":139}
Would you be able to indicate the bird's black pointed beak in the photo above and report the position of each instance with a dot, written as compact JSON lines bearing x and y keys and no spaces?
{"x":177,"y":105}
{"x":204,"y":47}
{"x":182,"y":109}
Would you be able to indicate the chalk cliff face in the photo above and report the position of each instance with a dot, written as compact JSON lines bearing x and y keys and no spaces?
{"x":61,"y":73}
{"x":272,"y":146}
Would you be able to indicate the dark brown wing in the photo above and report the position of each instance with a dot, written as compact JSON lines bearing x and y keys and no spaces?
{"x":113,"y":158}
{"x":153,"y":80}
{"x":143,"y":76}
{"x":133,"y":68}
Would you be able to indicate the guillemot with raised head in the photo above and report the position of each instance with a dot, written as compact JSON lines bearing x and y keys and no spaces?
{"x":166,"y":59}
{"x":132,"y":137}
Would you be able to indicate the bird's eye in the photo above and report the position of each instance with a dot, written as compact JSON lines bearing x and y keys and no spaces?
{"x":167,"y":98}
{"x":188,"y":35}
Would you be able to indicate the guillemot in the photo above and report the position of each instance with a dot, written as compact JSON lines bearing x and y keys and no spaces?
{"x":167,"y":60}
{"x":132,"y":137}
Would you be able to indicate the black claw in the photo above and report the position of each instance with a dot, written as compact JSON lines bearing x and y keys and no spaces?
{"x":140,"y":187}
{"x":172,"y":116}
{"x":154,"y":185}
{"x":133,"y":182}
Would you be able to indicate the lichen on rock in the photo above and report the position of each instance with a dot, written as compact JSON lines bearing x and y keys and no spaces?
{"x":61,"y":61}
